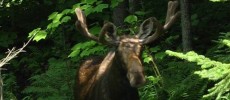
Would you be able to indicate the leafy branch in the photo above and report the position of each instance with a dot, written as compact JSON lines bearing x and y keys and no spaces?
{"x":212,"y":70}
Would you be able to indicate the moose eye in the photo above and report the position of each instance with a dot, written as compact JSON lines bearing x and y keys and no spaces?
{"x":127,"y":46}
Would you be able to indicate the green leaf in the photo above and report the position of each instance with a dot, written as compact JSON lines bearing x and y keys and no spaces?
{"x":114,"y":3}
{"x":100,"y":7}
{"x":66,"y":11}
{"x":65,"y":19}
{"x":153,"y":79}
{"x":98,"y":2}
{"x":52,"y":16}
{"x":95,"y":29}
{"x":155,"y":49}
{"x":74,"y":53}
{"x":34,"y":32}
{"x":90,"y":1}
{"x":147,"y":59}
{"x":218,"y":0}
{"x":141,"y":13}
{"x":82,"y":49}
{"x":40,"y":35}
{"x":76,"y":6}
{"x":160,"y":55}
{"x":226,"y":42}
{"x":88,"y":9}
{"x":53,"y":25}
{"x":131,"y":19}
{"x":57,"y":18}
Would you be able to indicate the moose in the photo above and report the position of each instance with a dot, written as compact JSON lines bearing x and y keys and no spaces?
{"x":120,"y":73}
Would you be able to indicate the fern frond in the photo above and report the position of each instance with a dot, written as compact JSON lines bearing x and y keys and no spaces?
{"x":212,"y":70}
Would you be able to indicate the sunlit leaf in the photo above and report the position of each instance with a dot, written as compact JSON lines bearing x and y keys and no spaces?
{"x":34,"y":32}
{"x":40,"y":35}
{"x":218,"y":0}
{"x":53,"y":15}
{"x":131,"y":19}
{"x":66,"y":11}
{"x":147,"y":59}
{"x":74,"y":53}
{"x":53,"y":25}
{"x":57,"y":18}
{"x":65,"y":19}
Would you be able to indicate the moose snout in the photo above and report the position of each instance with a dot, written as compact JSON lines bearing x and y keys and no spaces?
{"x":136,"y":79}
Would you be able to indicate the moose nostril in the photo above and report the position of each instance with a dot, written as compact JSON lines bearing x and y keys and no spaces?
{"x":136,"y":79}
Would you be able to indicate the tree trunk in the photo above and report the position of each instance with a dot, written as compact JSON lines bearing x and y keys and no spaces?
{"x":120,"y":12}
{"x":186,"y":25}
{"x":134,"y":5}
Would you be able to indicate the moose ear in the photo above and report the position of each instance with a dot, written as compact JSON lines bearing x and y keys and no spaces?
{"x":109,"y":30}
{"x":146,"y":28}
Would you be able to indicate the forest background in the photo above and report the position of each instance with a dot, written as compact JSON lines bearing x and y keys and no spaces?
{"x":191,"y":66}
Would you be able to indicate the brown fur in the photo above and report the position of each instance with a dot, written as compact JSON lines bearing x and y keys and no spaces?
{"x":113,"y":85}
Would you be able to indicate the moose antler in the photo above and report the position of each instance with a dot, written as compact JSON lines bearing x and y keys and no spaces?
{"x":171,"y":14}
{"x":171,"y":17}
{"x":82,"y":26}
{"x":107,"y":30}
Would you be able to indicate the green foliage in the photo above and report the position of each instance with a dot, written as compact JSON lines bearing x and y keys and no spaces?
{"x":86,"y":49}
{"x":148,"y":92}
{"x":218,"y":0}
{"x":39,"y":34}
{"x":11,"y":86}
{"x":226,"y":42}
{"x":131,"y":19}
{"x":114,"y":3}
{"x":56,"y":82}
{"x":7,"y":38}
{"x":58,"y":19}
{"x":180,"y":83}
{"x":212,"y":70}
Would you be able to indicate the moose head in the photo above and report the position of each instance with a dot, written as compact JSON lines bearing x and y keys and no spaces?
{"x":126,"y":57}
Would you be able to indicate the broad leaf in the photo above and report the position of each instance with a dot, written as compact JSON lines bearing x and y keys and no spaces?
{"x":131,"y":19}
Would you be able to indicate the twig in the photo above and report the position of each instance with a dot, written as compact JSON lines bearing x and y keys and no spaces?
{"x":10,"y":55}
{"x":13,"y":53}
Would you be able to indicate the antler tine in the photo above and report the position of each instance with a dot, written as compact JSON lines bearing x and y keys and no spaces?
{"x":81,"y":25}
{"x":171,"y":14}
{"x":159,"y":29}
{"x":108,"y":30}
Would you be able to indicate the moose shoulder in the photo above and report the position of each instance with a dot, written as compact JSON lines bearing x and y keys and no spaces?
{"x":120,"y":73}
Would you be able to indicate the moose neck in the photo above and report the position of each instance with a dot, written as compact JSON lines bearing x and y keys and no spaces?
{"x":115,"y":84}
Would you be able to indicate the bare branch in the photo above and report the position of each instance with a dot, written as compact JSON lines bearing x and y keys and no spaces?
{"x":10,"y":55}
{"x":13,"y":53}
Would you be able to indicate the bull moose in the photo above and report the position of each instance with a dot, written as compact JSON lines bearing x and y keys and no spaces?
{"x":120,"y":73}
